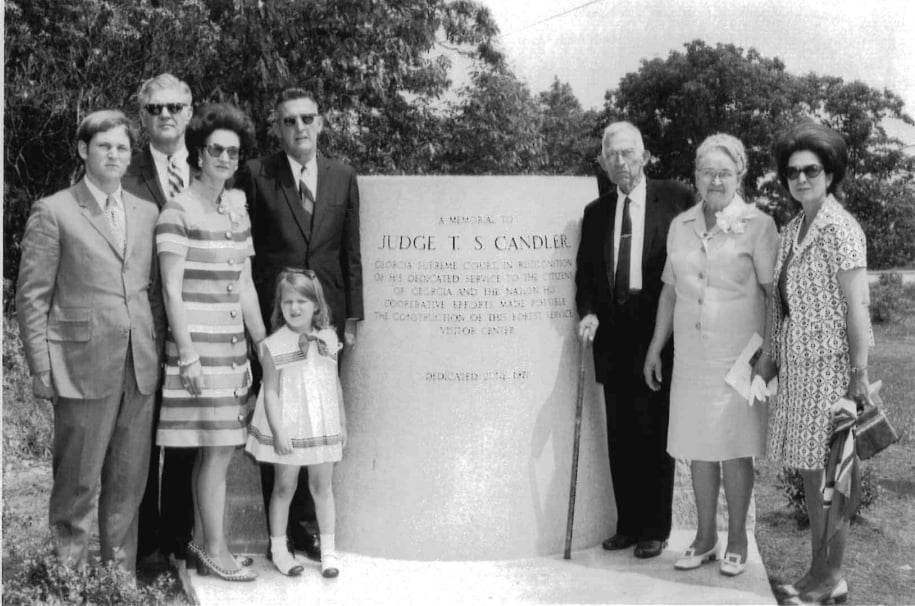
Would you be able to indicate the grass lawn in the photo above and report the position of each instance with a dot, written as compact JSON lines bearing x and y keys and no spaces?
{"x":880,"y":557}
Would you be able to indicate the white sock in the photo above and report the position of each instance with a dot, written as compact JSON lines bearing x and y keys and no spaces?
{"x":327,"y":544}
{"x":278,"y":545}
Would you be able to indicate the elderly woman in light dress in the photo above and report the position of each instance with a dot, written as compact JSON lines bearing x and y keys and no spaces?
{"x":720,"y":258}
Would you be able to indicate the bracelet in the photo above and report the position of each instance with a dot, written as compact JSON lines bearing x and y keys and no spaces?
{"x":856,"y":370}
{"x":190,"y":361}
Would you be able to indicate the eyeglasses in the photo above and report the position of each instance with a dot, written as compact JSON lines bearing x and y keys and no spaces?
{"x":623,"y":154}
{"x":711,"y":174}
{"x":216,"y":151}
{"x":305,"y":118}
{"x":155,"y":109}
{"x":811,"y":171}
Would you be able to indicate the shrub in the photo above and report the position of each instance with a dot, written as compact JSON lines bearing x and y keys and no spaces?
{"x":791,"y":483}
{"x":43,"y":580}
{"x":888,"y":298}
{"x":27,"y":421}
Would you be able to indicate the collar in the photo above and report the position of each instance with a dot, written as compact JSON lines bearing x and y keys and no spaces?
{"x":296,"y":167}
{"x":637,"y":195}
{"x":101,"y":197}
{"x":179,"y":156}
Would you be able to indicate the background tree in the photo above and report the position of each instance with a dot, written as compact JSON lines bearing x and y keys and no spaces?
{"x":569,"y":142}
{"x":494,"y":128}
{"x":678,"y":101}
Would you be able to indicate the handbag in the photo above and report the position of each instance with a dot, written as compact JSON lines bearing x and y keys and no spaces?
{"x":873,"y":432}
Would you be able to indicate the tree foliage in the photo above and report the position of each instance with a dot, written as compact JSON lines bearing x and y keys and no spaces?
{"x":678,"y":101}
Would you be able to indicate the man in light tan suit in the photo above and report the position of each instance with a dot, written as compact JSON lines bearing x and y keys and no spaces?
{"x":89,"y":311}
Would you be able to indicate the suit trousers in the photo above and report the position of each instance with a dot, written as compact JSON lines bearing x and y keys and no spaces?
{"x":101,"y":450}
{"x":641,"y":470}
{"x":167,"y":510}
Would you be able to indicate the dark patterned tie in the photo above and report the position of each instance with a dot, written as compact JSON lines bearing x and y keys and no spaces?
{"x":308,"y":199}
{"x":621,"y":278}
{"x":175,"y":182}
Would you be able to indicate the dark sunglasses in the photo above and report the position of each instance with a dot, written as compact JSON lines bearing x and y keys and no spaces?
{"x":305,"y":118}
{"x":155,"y":109}
{"x":811,"y":171}
{"x":216,"y":151}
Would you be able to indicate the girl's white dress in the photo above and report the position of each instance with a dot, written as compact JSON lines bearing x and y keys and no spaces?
{"x":309,"y":391}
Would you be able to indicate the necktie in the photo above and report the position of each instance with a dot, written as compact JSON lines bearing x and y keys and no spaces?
{"x":115,"y":215}
{"x":175,"y":182}
{"x":621,"y":278}
{"x":308,"y":198}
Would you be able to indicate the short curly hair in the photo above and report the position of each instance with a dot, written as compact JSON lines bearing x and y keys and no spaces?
{"x":730,"y":145}
{"x":217,"y":116}
{"x":827,"y":144}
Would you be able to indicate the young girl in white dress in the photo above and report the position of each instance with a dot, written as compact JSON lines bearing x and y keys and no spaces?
{"x":299,"y":417}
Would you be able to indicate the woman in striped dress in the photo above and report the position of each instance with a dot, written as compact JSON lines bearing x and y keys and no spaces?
{"x":204,"y":246}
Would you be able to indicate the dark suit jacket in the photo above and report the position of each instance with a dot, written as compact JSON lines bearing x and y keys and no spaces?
{"x":141,"y":178}
{"x":281,"y":237}
{"x":595,"y":273}
{"x":82,"y":302}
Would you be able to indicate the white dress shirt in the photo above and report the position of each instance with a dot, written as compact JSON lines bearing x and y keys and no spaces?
{"x":161,"y":162}
{"x":637,"y":217}
{"x":310,"y":176}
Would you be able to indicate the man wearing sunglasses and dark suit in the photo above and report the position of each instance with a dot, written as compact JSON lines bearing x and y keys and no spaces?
{"x":304,"y":211}
{"x":157,"y":173}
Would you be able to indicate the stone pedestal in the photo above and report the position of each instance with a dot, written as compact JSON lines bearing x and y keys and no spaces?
{"x":461,"y":390}
{"x":246,"y":521}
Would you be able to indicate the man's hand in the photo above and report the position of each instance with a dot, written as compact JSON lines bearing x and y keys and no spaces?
{"x":349,"y":332}
{"x":41,"y":386}
{"x":587,"y":328}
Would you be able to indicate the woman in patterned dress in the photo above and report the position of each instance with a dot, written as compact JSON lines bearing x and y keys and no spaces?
{"x":204,"y":246}
{"x":818,"y":335}
{"x":720,"y":255}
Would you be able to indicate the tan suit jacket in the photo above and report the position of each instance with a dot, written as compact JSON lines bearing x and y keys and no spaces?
{"x":81,"y":301}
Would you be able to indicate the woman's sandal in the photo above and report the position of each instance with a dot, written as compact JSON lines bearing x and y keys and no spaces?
{"x":205,"y":566}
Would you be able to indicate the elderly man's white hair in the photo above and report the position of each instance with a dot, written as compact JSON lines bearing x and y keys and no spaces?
{"x":616,"y":128}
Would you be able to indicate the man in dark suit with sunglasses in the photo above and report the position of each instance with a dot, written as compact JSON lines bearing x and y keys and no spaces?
{"x":304,"y":211}
{"x":157,"y":172}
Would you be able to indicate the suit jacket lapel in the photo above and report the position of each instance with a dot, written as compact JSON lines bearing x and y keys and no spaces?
{"x":289,"y":191}
{"x":322,"y":195}
{"x":609,"y":240}
{"x":131,"y":218}
{"x":93,"y":213}
{"x":151,"y":178}
{"x":652,"y":221}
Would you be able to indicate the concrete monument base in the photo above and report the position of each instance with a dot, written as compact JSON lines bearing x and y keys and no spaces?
{"x":592,"y":576}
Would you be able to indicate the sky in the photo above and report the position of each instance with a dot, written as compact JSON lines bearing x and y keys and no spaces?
{"x":596,"y":42}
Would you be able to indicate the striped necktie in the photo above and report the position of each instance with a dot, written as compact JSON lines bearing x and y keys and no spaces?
{"x":115,"y":215}
{"x":175,"y":182}
{"x":307,"y":196}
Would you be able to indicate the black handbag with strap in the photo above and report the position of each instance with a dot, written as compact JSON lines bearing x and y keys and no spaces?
{"x":873,"y":432}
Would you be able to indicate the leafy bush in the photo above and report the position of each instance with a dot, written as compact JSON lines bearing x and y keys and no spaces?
{"x":888,"y":298}
{"x":791,"y":482}
{"x":27,"y":421}
{"x":43,"y":580}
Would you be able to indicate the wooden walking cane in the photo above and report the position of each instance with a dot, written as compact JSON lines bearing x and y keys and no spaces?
{"x":567,"y":555}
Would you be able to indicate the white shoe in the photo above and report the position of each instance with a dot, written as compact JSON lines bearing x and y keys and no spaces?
{"x":330,"y":566}
{"x":731,"y":565}
{"x":287,"y":563}
{"x":690,"y":559}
